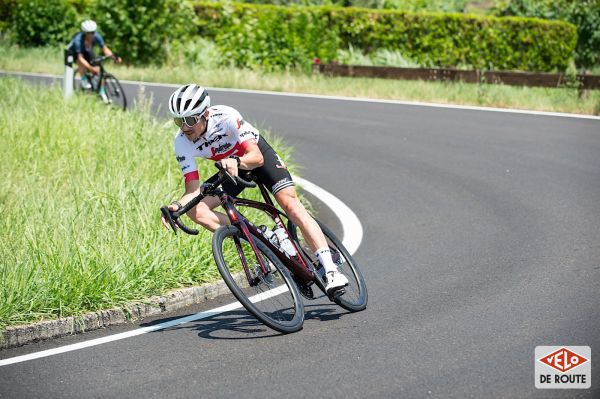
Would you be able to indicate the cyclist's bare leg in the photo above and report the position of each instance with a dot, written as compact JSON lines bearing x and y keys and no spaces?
{"x":80,"y":68}
{"x":313,"y":235}
{"x":292,"y":206}
{"x":204,"y":215}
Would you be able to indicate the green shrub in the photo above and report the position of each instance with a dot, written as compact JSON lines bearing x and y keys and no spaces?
{"x":42,"y":22}
{"x":584,"y":14}
{"x":274,"y":36}
{"x":140,"y":30}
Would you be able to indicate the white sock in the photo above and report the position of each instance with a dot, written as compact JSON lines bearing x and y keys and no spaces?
{"x":324,"y":257}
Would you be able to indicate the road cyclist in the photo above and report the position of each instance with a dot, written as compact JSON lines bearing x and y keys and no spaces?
{"x":82,"y":47}
{"x":266,"y":270}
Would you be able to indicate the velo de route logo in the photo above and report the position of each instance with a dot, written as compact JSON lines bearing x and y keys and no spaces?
{"x":563,"y":367}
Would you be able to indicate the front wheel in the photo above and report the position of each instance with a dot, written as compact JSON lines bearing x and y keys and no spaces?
{"x":114,"y":92}
{"x":273,"y":297}
{"x":355,"y":297}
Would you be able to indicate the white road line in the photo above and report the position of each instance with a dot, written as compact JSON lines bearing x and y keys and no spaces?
{"x":116,"y":337}
{"x":352,"y":236}
{"x":340,"y":98}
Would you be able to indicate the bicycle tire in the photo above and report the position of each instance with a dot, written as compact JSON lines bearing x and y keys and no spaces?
{"x":275,"y":300}
{"x":114,"y":92}
{"x":356,"y":296}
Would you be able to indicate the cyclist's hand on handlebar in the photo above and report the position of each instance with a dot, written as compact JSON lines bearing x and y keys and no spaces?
{"x":172,"y":207}
{"x":230,"y":165}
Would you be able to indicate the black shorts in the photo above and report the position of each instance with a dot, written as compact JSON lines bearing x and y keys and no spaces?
{"x":87,"y":55}
{"x":273,"y":174}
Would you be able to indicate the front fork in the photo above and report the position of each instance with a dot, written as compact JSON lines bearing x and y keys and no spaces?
{"x":265,"y":269}
{"x":236,"y":220}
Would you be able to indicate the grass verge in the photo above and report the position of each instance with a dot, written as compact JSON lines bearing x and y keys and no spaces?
{"x":49,"y":60}
{"x":81,"y":188}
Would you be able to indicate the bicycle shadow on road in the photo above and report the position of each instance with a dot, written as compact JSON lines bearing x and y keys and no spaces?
{"x":239,"y":324}
{"x":236,"y":324}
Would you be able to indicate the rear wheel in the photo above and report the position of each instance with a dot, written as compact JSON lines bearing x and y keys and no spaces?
{"x":355,"y":297}
{"x":273,"y":297}
{"x":114,"y":92}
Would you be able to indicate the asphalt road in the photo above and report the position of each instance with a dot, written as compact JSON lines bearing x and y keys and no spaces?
{"x":481,"y":242}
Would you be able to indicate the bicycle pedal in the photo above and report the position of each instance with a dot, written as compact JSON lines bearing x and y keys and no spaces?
{"x":307,"y":292}
{"x":336,"y":294}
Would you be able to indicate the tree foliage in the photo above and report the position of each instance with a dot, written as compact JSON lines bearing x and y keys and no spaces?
{"x":42,"y":22}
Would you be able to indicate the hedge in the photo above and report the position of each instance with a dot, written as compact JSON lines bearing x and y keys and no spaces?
{"x":585,"y":14}
{"x":266,"y":35}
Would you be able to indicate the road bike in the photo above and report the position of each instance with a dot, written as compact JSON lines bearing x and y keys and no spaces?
{"x":106,"y":85}
{"x":267,"y":277}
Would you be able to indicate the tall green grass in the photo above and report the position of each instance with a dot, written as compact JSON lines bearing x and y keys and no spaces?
{"x":80,"y":194}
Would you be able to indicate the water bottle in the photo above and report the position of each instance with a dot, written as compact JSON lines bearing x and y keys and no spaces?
{"x":284,"y":241}
{"x":271,"y":236}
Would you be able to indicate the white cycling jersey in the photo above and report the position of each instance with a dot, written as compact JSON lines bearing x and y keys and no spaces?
{"x":227,"y":133}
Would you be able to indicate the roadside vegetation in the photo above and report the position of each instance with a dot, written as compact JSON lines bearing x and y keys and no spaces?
{"x":80,"y":195}
{"x":199,"y":65}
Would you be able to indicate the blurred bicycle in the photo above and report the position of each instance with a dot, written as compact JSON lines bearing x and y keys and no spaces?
{"x":106,"y":85}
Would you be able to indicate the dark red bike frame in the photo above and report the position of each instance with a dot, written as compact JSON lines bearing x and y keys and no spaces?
{"x":302,"y":272}
{"x":296,"y":264}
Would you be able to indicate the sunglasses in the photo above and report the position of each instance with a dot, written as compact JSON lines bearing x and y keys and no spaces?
{"x":189,"y":121}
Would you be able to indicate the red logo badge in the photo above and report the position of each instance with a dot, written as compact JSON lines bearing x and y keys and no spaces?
{"x":563,"y":360}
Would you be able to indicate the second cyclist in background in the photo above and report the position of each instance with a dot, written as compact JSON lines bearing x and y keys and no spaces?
{"x":82,"y":47}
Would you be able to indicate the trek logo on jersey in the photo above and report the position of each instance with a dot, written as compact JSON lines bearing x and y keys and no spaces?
{"x":562,"y":367}
{"x":208,"y":143}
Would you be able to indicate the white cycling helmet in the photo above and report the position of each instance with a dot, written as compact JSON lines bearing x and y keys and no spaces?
{"x":88,"y":26}
{"x":189,"y":100}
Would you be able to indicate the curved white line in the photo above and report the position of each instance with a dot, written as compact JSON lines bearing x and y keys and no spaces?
{"x":352,"y":236}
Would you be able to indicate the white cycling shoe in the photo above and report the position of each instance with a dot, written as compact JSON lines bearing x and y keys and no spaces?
{"x":335,"y":281}
{"x":85,"y":84}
